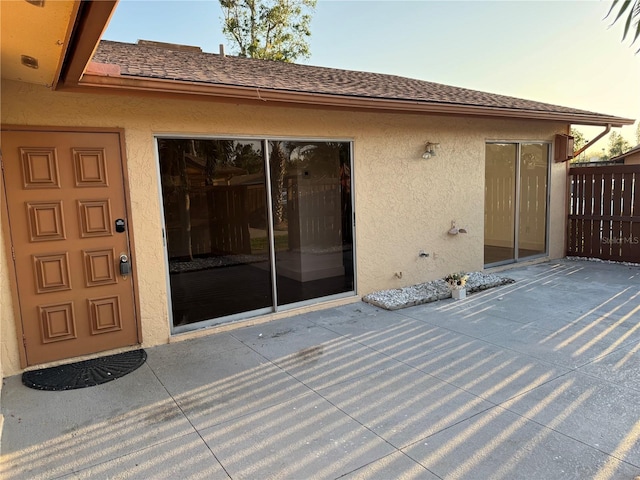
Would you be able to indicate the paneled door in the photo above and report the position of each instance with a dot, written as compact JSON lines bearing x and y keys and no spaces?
{"x":69,"y":243}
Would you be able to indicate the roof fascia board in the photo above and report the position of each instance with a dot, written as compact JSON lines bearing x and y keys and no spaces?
{"x":67,"y":41}
{"x":91,"y":20}
{"x":127,"y":85}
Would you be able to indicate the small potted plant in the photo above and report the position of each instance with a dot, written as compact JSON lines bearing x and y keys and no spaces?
{"x":457,"y":282}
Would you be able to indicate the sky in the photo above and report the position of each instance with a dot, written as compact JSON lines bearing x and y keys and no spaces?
{"x":559,"y":52}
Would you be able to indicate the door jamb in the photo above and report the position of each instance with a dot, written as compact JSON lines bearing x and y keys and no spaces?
{"x":11,"y":264}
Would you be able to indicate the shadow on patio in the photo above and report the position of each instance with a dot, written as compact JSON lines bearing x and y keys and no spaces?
{"x":538,"y":379}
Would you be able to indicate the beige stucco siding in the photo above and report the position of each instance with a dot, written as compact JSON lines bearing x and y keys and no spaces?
{"x":404,"y":204}
{"x":6,"y":315}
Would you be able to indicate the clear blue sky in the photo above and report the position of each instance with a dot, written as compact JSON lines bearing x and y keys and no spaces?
{"x":560,"y":52}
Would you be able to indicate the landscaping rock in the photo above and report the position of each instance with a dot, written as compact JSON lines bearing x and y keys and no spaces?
{"x":410,"y":296}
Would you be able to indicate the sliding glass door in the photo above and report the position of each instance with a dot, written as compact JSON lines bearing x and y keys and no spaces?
{"x":516,"y":201}
{"x":532,"y":208}
{"x":253,"y":225}
{"x":217,"y":238}
{"x":499,"y":203}
{"x":311,"y":198}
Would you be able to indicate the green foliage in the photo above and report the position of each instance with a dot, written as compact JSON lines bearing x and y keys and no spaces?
{"x":269,"y":29}
{"x":578,"y":142}
{"x":617,"y":145}
{"x":578,"y":139}
{"x":632,"y":22}
{"x":638,"y":134}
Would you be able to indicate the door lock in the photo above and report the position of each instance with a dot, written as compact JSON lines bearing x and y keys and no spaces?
{"x":125,"y":265}
{"x":120,"y":225}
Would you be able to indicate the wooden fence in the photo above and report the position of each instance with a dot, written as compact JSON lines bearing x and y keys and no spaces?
{"x":217,"y":219}
{"x":604,"y":213}
{"x":313,"y":213}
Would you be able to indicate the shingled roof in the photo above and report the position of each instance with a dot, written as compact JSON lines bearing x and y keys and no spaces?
{"x":195,"y":67}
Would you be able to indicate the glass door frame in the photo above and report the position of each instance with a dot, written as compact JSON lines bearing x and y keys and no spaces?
{"x":275,"y":307}
{"x":517,"y":193}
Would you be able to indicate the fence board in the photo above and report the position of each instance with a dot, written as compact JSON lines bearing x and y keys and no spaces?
{"x":228,"y":219}
{"x":596,"y":222}
{"x":575,"y":211}
{"x":587,"y":223}
{"x":579,"y":211}
{"x":604,"y":213}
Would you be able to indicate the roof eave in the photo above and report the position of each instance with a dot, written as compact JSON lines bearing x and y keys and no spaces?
{"x":634,"y":151}
{"x":233,"y":93}
{"x":91,"y":19}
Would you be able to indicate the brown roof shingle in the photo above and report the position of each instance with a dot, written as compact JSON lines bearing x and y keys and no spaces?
{"x":146,"y":61}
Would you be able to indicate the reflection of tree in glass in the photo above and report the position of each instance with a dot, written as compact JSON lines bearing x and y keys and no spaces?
{"x":215,"y":153}
{"x":221,"y":158}
{"x":326,"y":158}
{"x":186,"y":165}
{"x":246,"y":157}
{"x":277,"y":161}
{"x":176,"y":186}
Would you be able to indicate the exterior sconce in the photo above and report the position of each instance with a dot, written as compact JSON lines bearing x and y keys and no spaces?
{"x":430,"y":150}
{"x":455,"y":230}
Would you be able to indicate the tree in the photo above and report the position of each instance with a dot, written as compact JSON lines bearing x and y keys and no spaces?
{"x":617,"y":145}
{"x":632,"y":22}
{"x":269,"y":29}
{"x":578,"y":139}
{"x":578,"y":142}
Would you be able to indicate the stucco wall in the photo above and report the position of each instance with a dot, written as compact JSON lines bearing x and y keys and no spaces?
{"x":404,"y":204}
{"x":5,"y":310}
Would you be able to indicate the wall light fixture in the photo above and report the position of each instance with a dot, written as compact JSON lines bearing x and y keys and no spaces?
{"x":430,"y":150}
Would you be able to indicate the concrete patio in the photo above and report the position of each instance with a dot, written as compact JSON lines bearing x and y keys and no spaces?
{"x":535,"y":380}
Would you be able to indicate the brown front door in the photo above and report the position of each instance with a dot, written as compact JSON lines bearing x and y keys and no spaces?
{"x":68,"y":228}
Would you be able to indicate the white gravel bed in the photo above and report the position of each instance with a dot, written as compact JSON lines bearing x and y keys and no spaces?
{"x":397,"y":298}
{"x":599,"y":260}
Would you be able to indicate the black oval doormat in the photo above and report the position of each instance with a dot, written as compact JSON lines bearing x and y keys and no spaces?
{"x":86,"y":373}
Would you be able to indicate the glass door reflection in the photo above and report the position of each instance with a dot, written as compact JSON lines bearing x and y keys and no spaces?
{"x":534,"y":168}
{"x":312,"y":219}
{"x":516,"y":201}
{"x":214,"y":201}
{"x":500,"y":203}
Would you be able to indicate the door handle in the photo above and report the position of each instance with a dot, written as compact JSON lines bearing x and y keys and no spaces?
{"x":125,"y":265}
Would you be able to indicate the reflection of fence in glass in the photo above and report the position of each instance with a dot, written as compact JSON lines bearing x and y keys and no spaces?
{"x":314,"y":214}
{"x":221,"y":218}
{"x":604,"y":213}
{"x":515,"y":208}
